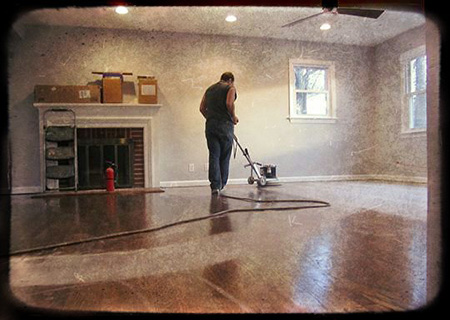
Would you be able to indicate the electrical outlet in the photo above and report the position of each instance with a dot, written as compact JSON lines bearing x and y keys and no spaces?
{"x":191,"y":167}
{"x":206,"y":166}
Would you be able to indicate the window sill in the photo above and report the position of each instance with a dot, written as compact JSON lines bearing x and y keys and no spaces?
{"x":413,"y":133}
{"x":311,"y":120}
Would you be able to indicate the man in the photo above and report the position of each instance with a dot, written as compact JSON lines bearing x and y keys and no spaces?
{"x":217,"y":107}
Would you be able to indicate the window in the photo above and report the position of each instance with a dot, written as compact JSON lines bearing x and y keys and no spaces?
{"x":311,"y":90}
{"x":414,"y":113}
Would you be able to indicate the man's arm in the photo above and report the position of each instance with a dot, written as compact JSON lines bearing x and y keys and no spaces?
{"x":203,"y":107}
{"x":230,"y":104}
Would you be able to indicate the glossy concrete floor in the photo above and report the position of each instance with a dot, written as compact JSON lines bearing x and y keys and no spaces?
{"x":366,"y":252}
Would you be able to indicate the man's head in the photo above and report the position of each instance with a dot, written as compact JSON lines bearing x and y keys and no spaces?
{"x":227,"y":77}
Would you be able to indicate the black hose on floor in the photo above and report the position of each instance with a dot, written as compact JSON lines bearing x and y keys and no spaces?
{"x":317,"y":204}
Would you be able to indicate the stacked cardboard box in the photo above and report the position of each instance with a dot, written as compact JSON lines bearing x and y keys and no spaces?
{"x":110,"y":91}
{"x":148,"y":92}
{"x":69,"y":94}
{"x":112,"y":88}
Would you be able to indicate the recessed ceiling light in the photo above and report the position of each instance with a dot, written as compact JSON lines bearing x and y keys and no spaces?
{"x":325,"y":26}
{"x":231,"y":18}
{"x":121,"y":10}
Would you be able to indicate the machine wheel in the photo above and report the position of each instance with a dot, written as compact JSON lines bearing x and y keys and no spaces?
{"x":251,"y":180}
{"x":262,"y":182}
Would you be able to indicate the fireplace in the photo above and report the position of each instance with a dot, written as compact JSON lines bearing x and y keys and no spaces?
{"x":126,"y":134}
{"x":97,"y":148}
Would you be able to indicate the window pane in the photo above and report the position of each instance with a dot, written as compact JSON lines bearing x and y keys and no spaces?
{"x":418,"y":75}
{"x":95,"y":167}
{"x":123,"y":159}
{"x":108,"y":154}
{"x":418,"y":111}
{"x":82,"y":168}
{"x":311,"y":104}
{"x":310,"y":78}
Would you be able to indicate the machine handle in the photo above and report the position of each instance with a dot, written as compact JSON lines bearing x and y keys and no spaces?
{"x":249,"y":165}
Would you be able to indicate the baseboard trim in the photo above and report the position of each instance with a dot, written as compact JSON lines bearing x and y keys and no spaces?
{"x":196,"y":183}
{"x":403,"y":179}
{"x":26,"y":190}
{"x":323,"y":178}
{"x":368,"y":177}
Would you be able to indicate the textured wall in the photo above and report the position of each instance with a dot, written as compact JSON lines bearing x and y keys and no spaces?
{"x":395,"y":153}
{"x":185,"y":65}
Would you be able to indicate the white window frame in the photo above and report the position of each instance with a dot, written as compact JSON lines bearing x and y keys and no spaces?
{"x":405,"y":59}
{"x":331,"y":92}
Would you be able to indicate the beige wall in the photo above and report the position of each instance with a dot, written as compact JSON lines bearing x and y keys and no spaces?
{"x":395,"y":153}
{"x":185,"y":65}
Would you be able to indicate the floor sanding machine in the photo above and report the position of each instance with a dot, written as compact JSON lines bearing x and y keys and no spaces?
{"x":264,"y":175}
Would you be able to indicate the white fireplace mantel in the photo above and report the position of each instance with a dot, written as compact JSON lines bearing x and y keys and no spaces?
{"x":112,"y":115}
{"x":102,"y":105}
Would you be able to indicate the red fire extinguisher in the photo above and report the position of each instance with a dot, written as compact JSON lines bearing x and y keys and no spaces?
{"x":110,"y":179}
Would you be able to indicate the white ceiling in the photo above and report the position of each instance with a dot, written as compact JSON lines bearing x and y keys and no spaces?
{"x":251,"y":22}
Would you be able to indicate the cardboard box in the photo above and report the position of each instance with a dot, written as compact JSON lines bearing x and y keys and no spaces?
{"x":148,"y":90}
{"x":68,"y":94}
{"x":112,"y":88}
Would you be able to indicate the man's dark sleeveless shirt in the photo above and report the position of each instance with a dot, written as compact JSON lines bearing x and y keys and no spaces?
{"x":216,"y":102}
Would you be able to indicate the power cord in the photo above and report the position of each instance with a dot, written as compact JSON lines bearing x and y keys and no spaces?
{"x":316,"y":204}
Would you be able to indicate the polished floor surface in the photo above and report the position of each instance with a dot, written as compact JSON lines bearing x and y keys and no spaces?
{"x":366,"y":252}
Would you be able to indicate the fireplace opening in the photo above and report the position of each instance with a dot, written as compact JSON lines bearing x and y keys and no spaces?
{"x":98,"y":146}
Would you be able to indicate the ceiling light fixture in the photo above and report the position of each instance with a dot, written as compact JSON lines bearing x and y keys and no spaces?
{"x":121,"y":10}
{"x":231,"y":18}
{"x":325,"y":26}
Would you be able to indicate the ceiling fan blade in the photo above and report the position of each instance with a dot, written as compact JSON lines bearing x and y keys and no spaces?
{"x":367,"y":13}
{"x":301,"y":20}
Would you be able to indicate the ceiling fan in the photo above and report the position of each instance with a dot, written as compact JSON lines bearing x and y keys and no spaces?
{"x":332,"y":7}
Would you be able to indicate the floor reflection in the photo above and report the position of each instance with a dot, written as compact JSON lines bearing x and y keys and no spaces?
{"x":224,"y":278}
{"x":223,"y":223}
{"x":352,"y":257}
{"x":342,"y":258}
